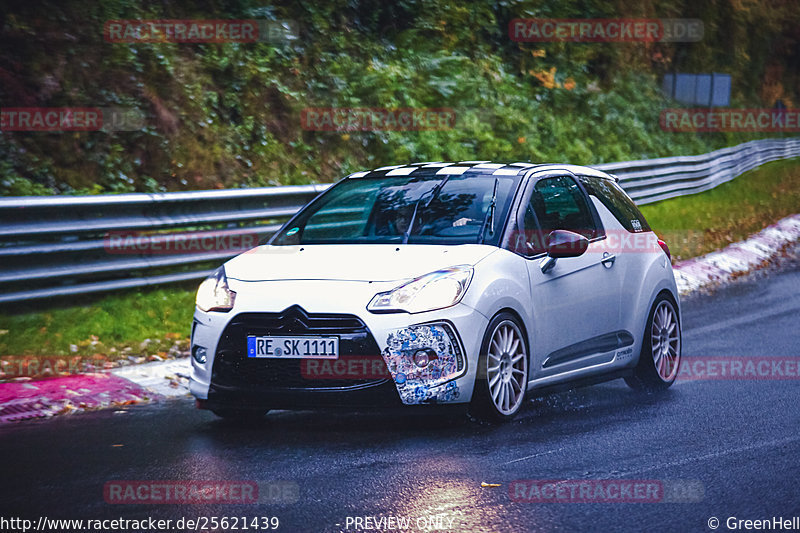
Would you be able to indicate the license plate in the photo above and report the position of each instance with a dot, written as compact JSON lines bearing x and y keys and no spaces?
{"x":293,"y":347}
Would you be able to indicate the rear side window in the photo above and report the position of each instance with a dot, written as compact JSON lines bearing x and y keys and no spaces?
{"x":614,"y":198}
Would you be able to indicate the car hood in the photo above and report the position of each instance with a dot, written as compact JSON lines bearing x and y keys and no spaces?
{"x":346,"y":262}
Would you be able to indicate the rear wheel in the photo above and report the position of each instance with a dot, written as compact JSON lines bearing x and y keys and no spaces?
{"x":661,"y":349}
{"x":502,"y":376}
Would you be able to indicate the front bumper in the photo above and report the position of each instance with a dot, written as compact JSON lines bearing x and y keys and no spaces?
{"x":228,"y":378}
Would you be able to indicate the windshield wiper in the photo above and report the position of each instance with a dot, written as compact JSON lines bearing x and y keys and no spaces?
{"x":489,"y":218}
{"x":435,"y":192}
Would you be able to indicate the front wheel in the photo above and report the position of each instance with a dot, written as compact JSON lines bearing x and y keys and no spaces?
{"x":502,"y":376}
{"x":661,"y":349}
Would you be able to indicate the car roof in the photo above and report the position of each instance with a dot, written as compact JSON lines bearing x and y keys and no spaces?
{"x":477,"y":168}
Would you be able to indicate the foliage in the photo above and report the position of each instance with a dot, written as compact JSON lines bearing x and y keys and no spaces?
{"x":228,"y":115}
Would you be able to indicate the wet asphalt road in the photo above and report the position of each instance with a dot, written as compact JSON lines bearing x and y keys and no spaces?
{"x":734,"y":444}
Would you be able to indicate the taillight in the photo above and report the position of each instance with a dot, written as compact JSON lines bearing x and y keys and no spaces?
{"x":664,"y":247}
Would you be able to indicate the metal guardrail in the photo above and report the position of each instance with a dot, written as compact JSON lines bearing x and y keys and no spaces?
{"x":651,"y":180}
{"x":60,"y":246}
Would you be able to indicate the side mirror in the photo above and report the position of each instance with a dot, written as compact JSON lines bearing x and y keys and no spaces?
{"x":562,"y":243}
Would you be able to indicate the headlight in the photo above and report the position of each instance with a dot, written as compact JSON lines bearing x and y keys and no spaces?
{"x":437,"y":290}
{"x":214,"y":294}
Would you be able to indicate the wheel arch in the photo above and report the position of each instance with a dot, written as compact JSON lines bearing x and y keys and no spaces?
{"x":668,"y":293}
{"x":513,"y":312}
{"x":657,"y":293}
{"x":482,"y":396}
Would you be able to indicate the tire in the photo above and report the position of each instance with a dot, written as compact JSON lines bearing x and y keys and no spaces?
{"x":658,"y":366}
{"x":502,"y":376}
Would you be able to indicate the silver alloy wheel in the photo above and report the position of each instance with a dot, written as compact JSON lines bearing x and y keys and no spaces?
{"x":506,"y":367}
{"x":665,"y":340}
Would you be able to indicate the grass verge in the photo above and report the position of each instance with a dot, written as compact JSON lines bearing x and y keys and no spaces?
{"x":135,"y":323}
{"x":701,"y":223}
{"x":150,"y":322}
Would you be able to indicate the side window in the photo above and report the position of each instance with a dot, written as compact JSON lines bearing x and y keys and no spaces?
{"x":560,"y":204}
{"x":614,"y":198}
{"x":557,"y":203}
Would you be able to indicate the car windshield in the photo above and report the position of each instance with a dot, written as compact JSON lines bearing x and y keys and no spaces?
{"x":418,"y":210}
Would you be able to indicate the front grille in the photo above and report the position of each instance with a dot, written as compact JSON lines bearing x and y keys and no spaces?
{"x":232,"y":367}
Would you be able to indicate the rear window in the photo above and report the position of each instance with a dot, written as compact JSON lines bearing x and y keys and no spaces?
{"x":614,"y":198}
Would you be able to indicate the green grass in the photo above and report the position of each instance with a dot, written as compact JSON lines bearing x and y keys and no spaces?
{"x":117,"y":325}
{"x":701,"y":223}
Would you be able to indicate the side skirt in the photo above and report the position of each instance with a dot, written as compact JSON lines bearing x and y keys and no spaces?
{"x":587,"y":381}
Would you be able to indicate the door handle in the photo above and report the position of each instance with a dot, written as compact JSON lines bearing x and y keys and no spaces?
{"x":608,"y":259}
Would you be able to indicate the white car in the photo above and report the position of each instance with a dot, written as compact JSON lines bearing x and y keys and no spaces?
{"x":470,"y":283}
